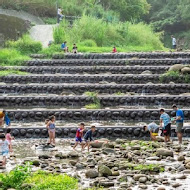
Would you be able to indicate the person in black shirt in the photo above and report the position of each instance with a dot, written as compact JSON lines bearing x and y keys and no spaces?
{"x":88,"y":137}
{"x":75,"y":48}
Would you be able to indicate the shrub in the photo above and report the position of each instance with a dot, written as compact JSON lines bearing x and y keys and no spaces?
{"x":25,"y":45}
{"x":95,"y":99}
{"x":59,"y":35}
{"x":11,"y":57}
{"x":51,"y":50}
{"x":43,"y":181}
{"x":88,"y":43}
{"x":16,"y":177}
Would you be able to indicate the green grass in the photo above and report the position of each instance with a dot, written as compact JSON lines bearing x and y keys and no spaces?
{"x":11,"y":72}
{"x":11,"y":57}
{"x":93,"y":106}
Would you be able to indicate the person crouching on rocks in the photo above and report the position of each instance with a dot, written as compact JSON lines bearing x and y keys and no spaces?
{"x":50,"y":124}
{"x":4,"y":148}
{"x":153,"y":128}
{"x":79,"y":135}
{"x":88,"y":137}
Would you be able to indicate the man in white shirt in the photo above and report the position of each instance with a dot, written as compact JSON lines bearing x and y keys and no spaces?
{"x":59,"y":14}
{"x":174,"y":42}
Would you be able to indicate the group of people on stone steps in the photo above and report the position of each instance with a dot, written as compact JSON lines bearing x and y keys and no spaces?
{"x":165,"y":125}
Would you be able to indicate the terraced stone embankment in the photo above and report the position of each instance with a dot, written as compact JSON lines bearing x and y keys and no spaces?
{"x":107,"y":62}
{"x":100,"y":88}
{"x":80,"y":101}
{"x":128,"y":89}
{"x":155,"y":55}
{"x":91,"y":69}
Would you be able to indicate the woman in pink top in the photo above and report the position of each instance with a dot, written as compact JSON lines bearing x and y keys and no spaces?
{"x":9,"y":138}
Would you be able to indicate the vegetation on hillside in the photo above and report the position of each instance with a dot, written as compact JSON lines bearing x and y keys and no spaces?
{"x":92,"y":31}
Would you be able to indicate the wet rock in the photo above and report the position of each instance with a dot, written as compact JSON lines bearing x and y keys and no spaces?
{"x":164,"y":152}
{"x":104,"y":170}
{"x":73,"y":162}
{"x":160,"y":139}
{"x":80,"y":166}
{"x":176,"y":185}
{"x":44,"y":156}
{"x":185,"y":70}
{"x":147,"y":72}
{"x":143,"y":186}
{"x":136,"y":177}
{"x":161,"y":188}
{"x":97,"y":144}
{"x":36,"y":163}
{"x":187,"y":165}
{"x":182,"y":177}
{"x":105,"y":183}
{"x":186,"y":171}
{"x":91,"y":173}
{"x":136,"y":147}
{"x":155,"y":145}
{"x":108,"y":151}
{"x":108,"y":145}
{"x":181,"y":158}
{"x":124,"y":185}
{"x":142,"y":179}
{"x":59,"y":155}
{"x":115,"y":173}
{"x":73,"y":154}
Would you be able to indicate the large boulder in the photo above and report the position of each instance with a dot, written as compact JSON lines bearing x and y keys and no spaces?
{"x":104,"y":170}
{"x":185,"y":70}
{"x":164,"y":152}
{"x":91,"y":173}
{"x":176,"y":67}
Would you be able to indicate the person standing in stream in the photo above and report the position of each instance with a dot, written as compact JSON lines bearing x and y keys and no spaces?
{"x":179,"y":119}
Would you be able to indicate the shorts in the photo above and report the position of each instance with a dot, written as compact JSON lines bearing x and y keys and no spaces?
{"x":5,"y":153}
{"x":78,"y":139}
{"x":179,"y":127}
{"x":52,"y":130}
{"x":155,"y":132}
{"x":167,"y":130}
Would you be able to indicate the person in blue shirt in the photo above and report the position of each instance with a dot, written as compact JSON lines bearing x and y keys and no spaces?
{"x":88,"y":137}
{"x":64,"y":47}
{"x":165,"y":123}
{"x":179,"y":119}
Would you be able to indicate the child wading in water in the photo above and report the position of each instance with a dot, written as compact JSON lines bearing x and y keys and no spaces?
{"x":88,"y":137}
{"x":9,"y":138}
{"x":4,"y":148}
{"x":50,"y":124}
{"x":79,"y":135}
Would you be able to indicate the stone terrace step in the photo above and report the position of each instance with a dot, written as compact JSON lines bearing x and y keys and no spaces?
{"x":120,"y":79}
{"x":99,"y":78}
{"x":101,"y":88}
{"x":106,"y":62}
{"x":101,"y":132}
{"x":30,"y":115}
{"x":90,"y":70}
{"x":106,"y":100}
{"x":154,"y":55}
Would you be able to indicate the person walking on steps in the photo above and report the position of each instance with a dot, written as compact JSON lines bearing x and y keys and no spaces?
{"x":59,"y":15}
{"x":179,"y":119}
{"x":174,"y":42}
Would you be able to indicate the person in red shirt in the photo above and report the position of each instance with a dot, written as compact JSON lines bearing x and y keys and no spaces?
{"x":114,"y":50}
{"x":79,"y":135}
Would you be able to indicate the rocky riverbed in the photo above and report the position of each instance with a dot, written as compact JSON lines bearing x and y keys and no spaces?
{"x":116,"y":165}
